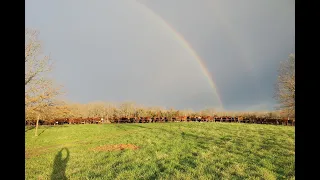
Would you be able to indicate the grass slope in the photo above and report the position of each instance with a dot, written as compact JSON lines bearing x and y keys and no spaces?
{"x":166,"y":151}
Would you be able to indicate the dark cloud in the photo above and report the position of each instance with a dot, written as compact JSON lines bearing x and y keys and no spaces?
{"x":118,"y":51}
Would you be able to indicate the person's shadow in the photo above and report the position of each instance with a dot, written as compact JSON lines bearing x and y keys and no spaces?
{"x":60,"y":165}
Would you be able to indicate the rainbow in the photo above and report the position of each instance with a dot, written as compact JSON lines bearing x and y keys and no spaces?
{"x":189,"y":48}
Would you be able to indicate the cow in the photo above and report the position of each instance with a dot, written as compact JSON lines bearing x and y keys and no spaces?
{"x":217,"y":119}
{"x":272,"y":121}
{"x":223,"y":119}
{"x":204,"y":119}
{"x":49,"y":122}
{"x":251,"y":120}
{"x":291,"y":122}
{"x":60,"y":121}
{"x":284,"y":121}
{"x":209,"y":119}
{"x":31,"y":122}
{"x":132,"y":119}
{"x":183,"y":118}
{"x":97,"y":120}
{"x":124,"y":120}
{"x":229,"y":119}
{"x":115,"y":120}
{"x":138,"y":120}
{"x":165,"y":119}
{"x":155,"y":119}
{"x":161,"y":119}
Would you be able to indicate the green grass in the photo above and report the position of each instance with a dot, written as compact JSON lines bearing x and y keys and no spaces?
{"x":166,"y":151}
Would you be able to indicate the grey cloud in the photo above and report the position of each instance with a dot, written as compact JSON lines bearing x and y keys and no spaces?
{"x":115,"y":51}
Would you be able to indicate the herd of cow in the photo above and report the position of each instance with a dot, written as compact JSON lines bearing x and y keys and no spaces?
{"x":98,"y":120}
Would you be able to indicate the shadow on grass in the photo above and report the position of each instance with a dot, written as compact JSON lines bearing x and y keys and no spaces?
{"x":57,"y":126}
{"x":122,"y":126}
{"x":43,"y":130}
{"x":137,"y":125}
{"x":200,"y":140}
{"x":28,"y":128}
{"x":60,"y":165}
{"x":185,"y":135}
{"x":44,"y":126}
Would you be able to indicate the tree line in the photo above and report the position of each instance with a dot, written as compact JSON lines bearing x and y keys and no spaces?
{"x":109,"y":111}
{"x":41,"y":93}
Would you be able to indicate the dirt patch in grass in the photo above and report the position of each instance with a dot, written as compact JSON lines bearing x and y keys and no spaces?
{"x":33,"y":152}
{"x":115,"y":147}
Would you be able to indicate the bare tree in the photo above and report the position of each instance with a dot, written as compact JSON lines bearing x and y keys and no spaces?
{"x":208,"y":112}
{"x":40,"y":90}
{"x":170,"y":113}
{"x":109,"y":111}
{"x":155,"y":111}
{"x":96,"y":109}
{"x":140,"y":112}
{"x":77,"y":110}
{"x":285,"y":86}
{"x":35,"y":63}
{"x":187,"y":112}
{"x":127,"y":109}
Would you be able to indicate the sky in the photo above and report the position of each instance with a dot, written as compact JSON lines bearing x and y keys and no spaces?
{"x":185,"y":54}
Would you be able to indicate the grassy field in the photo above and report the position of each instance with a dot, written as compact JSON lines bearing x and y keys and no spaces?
{"x":161,"y":151}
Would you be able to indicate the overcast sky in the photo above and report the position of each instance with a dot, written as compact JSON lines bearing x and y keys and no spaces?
{"x":120,"y":50}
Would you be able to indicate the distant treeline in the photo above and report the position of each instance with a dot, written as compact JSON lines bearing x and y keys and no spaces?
{"x":129,"y":109}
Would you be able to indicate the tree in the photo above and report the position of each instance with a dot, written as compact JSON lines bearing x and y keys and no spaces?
{"x":127,"y":109}
{"x":109,"y":111}
{"x":96,"y":109}
{"x":187,"y":112}
{"x":40,"y":90}
{"x":170,"y":113}
{"x":35,"y":63}
{"x":140,"y":112}
{"x":208,"y":112}
{"x":59,"y":110}
{"x":155,"y":111}
{"x":285,"y":86}
{"x":77,"y":110}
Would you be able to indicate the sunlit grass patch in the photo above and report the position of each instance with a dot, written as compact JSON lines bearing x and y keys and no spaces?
{"x":162,"y":151}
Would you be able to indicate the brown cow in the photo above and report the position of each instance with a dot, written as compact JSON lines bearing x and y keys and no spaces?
{"x":183,"y":118}
{"x":272,"y":121}
{"x":124,"y":120}
{"x":217,"y":119}
{"x":148,"y":119}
